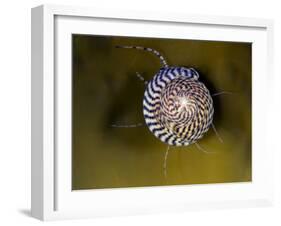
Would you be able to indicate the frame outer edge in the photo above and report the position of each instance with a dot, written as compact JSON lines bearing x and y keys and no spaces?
{"x":42,"y":111}
{"x":37,"y":113}
{"x":269,"y":120}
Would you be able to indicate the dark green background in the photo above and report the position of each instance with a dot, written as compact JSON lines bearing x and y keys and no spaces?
{"x":106,"y":91}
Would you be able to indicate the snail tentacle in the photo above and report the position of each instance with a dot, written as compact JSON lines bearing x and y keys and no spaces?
{"x":127,"y":126}
{"x":217,"y":134}
{"x":141,"y":78}
{"x":165,"y":161}
{"x":155,"y":52}
{"x":203,"y":150}
{"x":221,"y":93}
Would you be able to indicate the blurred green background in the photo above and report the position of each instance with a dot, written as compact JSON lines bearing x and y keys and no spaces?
{"x":106,"y":91}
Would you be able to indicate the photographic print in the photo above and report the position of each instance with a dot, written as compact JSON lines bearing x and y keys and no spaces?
{"x":158,"y":112}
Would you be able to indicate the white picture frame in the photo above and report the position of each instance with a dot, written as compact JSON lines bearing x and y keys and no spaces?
{"x":52,"y":197}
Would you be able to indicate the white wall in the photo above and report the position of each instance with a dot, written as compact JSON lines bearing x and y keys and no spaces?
{"x":15,"y":112}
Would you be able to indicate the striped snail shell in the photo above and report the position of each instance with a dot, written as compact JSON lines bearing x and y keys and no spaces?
{"x":177,"y":107}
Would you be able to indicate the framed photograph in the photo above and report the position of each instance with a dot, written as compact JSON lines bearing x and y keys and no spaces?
{"x":136,"y":112}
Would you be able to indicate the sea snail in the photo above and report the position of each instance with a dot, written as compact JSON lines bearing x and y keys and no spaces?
{"x":177,"y":107}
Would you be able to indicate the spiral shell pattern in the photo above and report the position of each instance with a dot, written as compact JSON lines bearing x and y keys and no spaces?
{"x":178,"y":109}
